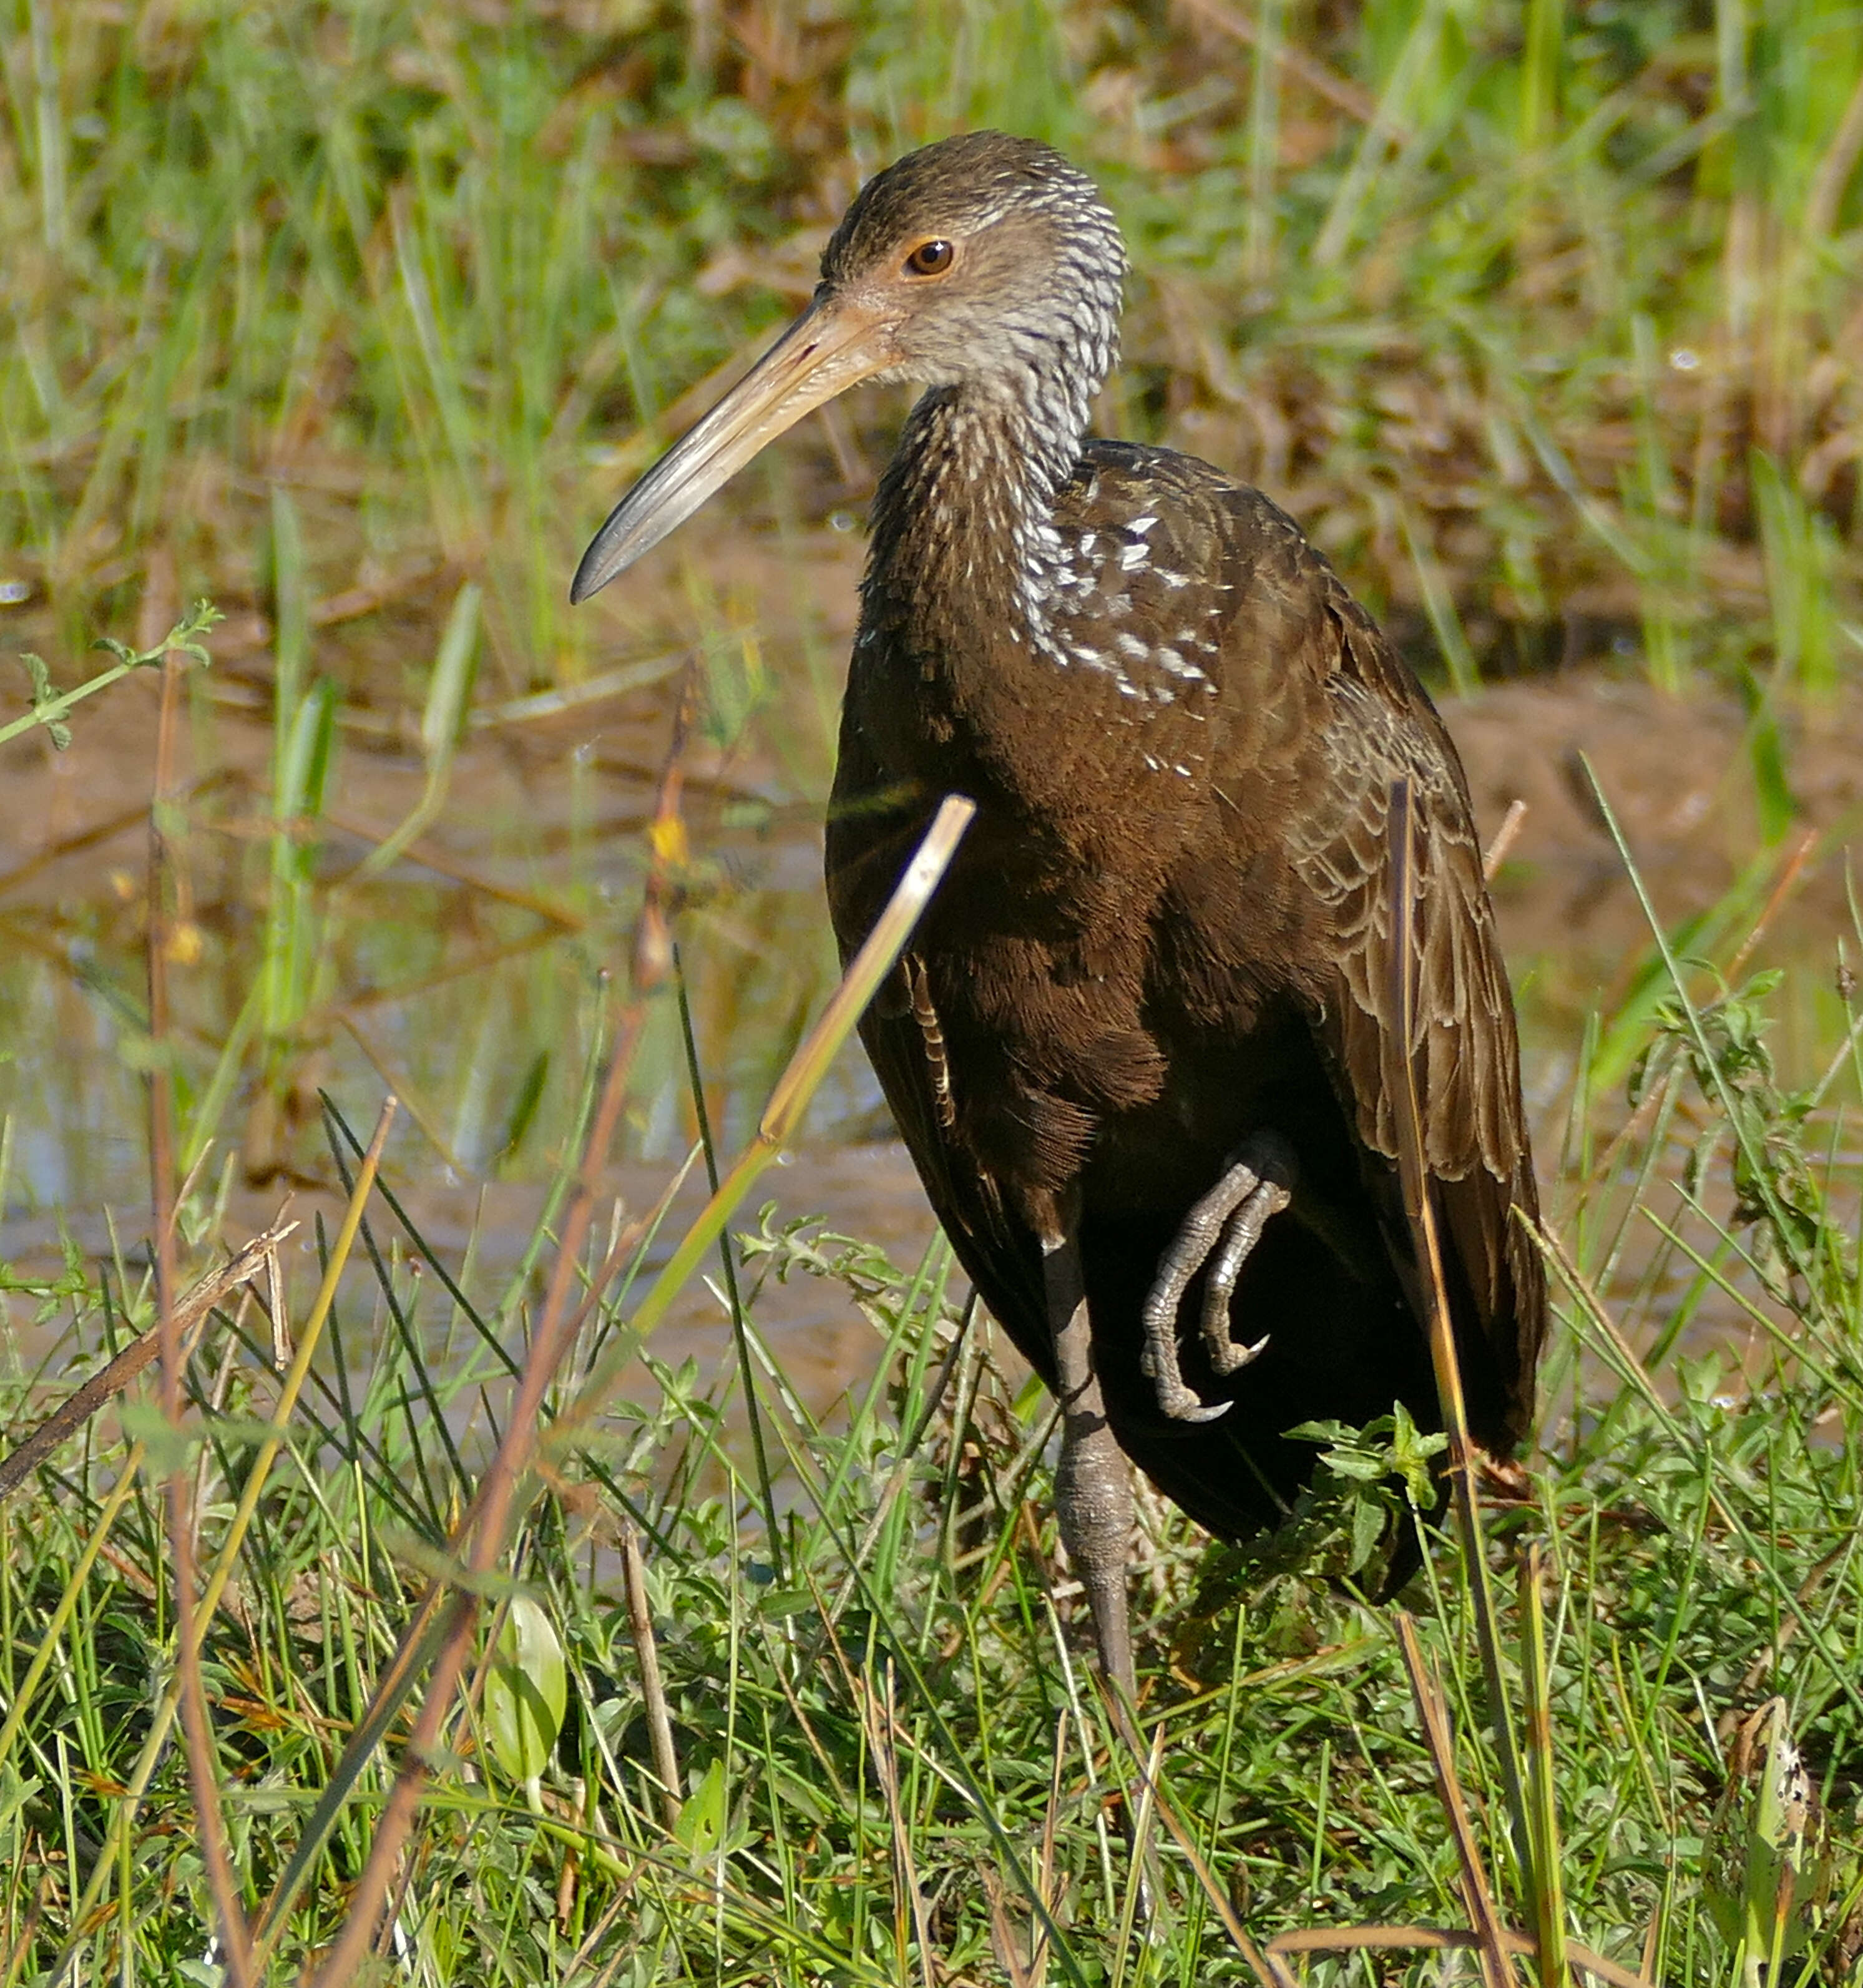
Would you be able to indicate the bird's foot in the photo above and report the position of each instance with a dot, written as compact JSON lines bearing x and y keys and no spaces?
{"x":1219,"y":1232}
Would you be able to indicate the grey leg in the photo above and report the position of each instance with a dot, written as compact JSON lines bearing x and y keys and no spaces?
{"x":1220,"y":1230}
{"x":1093,"y":1492}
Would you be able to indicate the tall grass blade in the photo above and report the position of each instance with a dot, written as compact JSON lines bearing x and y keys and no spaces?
{"x":1546,"y":1891}
{"x":265,"y":1456}
{"x":789,"y":1099}
{"x":727,"y":1264}
{"x":1401,"y":1085}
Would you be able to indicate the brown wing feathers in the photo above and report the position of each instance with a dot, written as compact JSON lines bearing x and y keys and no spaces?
{"x":1312,"y":717}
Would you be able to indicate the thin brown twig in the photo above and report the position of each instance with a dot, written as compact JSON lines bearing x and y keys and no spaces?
{"x":420,"y":1638}
{"x":105,"y":830}
{"x":497,"y":1495}
{"x":29,"y":1927}
{"x":198,"y":1731}
{"x":653,"y":1687}
{"x":190,"y":1310}
{"x":1497,"y":1964}
{"x":1441,"y":1939}
{"x":423,"y":853}
{"x":1781,"y":890}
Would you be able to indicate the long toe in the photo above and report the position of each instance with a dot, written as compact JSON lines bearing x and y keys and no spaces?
{"x":1218,"y":1235}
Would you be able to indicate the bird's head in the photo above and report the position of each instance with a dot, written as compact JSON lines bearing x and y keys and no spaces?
{"x":983,"y":262}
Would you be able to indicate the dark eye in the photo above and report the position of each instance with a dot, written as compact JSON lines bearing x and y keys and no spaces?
{"x":930,"y":259}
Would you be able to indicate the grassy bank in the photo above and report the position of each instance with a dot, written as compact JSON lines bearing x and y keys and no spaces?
{"x":1545,"y":320}
{"x":874,"y":1752}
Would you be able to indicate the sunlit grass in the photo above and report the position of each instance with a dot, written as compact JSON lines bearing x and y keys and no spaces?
{"x":1542,"y":318}
{"x":1542,"y":312}
{"x":914,"y":1666}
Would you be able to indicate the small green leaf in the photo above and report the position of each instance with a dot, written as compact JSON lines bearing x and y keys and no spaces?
{"x":779,"y":1602}
{"x":1367,"y":1530}
{"x":701,"y":1826}
{"x":43,"y":695}
{"x":169,"y":1449}
{"x":450,"y":689}
{"x":526,"y":1692}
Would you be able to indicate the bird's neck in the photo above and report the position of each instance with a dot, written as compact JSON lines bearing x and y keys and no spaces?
{"x":964,"y":539}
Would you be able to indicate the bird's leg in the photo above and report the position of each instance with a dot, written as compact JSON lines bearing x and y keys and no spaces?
{"x":1093,"y":1500}
{"x":1219,"y":1231}
{"x":1093,"y":1492}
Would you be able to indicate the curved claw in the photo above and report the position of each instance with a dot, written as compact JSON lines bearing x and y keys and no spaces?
{"x":1227,"y":1357}
{"x":1220,"y":1231}
{"x":1181,"y":1403}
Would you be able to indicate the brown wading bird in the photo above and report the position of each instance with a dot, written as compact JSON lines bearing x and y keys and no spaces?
{"x":1137,"y":1046}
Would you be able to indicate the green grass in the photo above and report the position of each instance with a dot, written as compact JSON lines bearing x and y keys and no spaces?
{"x":1560,"y":312}
{"x":892,"y":1762}
{"x":1542,"y":318}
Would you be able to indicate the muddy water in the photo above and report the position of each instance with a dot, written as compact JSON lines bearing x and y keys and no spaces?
{"x":468,"y":976}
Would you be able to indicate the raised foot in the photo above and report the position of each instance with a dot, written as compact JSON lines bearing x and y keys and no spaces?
{"x":1219,"y":1231}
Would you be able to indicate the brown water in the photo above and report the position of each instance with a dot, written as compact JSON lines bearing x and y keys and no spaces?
{"x":473,"y":964}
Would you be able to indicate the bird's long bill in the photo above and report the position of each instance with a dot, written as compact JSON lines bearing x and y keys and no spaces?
{"x":830,"y":347}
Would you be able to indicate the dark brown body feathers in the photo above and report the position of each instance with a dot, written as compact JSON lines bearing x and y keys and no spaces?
{"x":1167,"y":929}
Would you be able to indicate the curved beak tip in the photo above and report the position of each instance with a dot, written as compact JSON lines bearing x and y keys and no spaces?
{"x":606,"y":559}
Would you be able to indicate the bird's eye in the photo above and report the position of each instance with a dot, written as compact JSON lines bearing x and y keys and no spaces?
{"x":930,"y":259}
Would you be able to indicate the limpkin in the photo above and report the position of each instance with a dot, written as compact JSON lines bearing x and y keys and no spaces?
{"x":1137,"y":1046}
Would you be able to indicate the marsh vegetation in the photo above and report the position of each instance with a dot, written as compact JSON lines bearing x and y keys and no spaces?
{"x":1545,"y":320}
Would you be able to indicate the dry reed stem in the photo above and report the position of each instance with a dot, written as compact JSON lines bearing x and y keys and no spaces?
{"x":203,"y":1778}
{"x":1044,"y":1875}
{"x":1496,"y":1967}
{"x":1002,"y":1937}
{"x":492,"y":1510}
{"x":191,"y":1310}
{"x":1253,"y":1956}
{"x":1401,"y":1085}
{"x":1834,"y":172}
{"x":1144,"y":1881}
{"x":1505,"y":838}
{"x":653,"y":1687}
{"x":788,"y":1099}
{"x":881,"y":1717}
{"x":1442,"y":1939}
